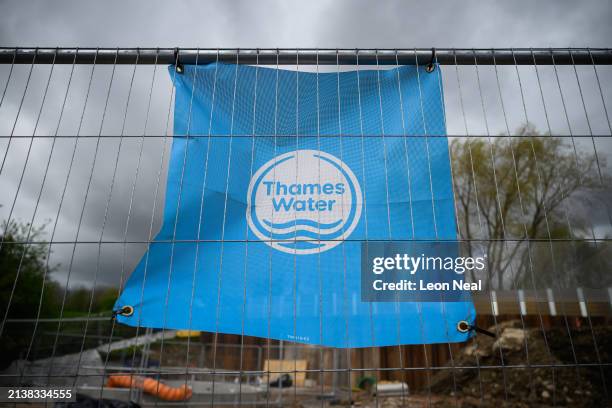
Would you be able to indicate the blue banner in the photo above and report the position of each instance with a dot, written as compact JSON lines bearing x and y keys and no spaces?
{"x":276,"y":178}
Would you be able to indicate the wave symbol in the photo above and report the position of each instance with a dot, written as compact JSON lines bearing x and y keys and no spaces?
{"x":303,"y":222}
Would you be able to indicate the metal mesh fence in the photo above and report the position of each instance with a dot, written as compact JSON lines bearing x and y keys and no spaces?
{"x":85,"y":136}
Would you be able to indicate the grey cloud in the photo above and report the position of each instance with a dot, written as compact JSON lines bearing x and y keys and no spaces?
{"x":329,"y":23}
{"x":326,"y":23}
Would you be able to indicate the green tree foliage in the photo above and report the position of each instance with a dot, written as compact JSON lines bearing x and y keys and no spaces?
{"x":22,"y":279}
{"x":513,"y":188}
{"x":23,"y":269}
{"x":29,"y":290}
{"x":83,"y":300}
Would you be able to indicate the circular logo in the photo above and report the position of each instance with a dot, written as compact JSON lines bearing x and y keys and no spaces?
{"x":303,"y":202}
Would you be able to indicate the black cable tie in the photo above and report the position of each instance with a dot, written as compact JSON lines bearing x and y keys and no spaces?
{"x":463,"y":326}
{"x":482,"y":331}
{"x":429,"y":68}
{"x":178,"y":67}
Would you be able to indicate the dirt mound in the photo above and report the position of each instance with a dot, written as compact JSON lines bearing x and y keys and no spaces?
{"x":524,"y":368}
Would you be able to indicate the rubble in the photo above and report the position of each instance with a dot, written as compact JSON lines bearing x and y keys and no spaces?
{"x":522,"y":368}
{"x":510,"y":339}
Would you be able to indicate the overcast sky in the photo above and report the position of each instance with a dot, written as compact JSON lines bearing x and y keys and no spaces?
{"x":325,"y":24}
{"x":329,"y":23}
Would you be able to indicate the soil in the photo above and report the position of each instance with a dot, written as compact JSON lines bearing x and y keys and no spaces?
{"x":538,"y":370}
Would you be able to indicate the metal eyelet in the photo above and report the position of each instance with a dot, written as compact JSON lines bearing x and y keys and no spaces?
{"x":463,"y":326}
{"x":126,"y":311}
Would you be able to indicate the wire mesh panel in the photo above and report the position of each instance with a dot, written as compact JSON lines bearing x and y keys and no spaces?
{"x":85,"y":146}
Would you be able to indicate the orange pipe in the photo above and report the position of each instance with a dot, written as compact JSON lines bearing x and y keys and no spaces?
{"x":150,"y":386}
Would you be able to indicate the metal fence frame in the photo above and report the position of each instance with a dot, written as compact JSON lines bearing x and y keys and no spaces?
{"x":388,"y":57}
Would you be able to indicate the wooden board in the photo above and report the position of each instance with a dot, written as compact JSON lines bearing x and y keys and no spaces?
{"x":287,"y":366}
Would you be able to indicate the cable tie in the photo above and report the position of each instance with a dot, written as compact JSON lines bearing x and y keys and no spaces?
{"x":464,"y":327}
{"x":178,"y":67}
{"x":483,"y":331}
{"x":429,"y":68}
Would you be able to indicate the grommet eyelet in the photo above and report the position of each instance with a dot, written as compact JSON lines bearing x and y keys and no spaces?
{"x":126,"y":311}
{"x":463,"y":326}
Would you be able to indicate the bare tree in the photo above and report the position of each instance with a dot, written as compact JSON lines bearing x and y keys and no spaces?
{"x":513,"y":191}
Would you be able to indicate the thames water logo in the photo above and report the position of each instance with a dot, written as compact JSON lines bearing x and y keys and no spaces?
{"x":303,"y":202}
